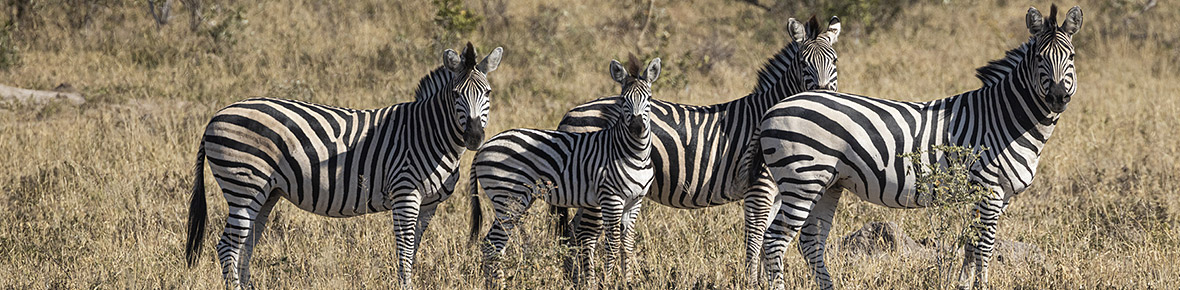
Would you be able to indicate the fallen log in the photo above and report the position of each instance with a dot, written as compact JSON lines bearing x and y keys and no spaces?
{"x":62,"y":93}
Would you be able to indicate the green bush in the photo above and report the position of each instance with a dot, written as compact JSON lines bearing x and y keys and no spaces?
{"x":455,"y":20}
{"x":948,"y":195}
{"x":226,"y":27}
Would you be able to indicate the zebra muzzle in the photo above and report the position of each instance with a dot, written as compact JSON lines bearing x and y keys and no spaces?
{"x":472,"y":136}
{"x":1058,"y":98}
{"x":635,"y":125}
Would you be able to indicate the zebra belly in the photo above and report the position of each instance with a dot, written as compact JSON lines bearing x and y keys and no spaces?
{"x":340,"y":190}
{"x":702,"y":182}
{"x":588,"y":199}
{"x":677,"y":196}
{"x":892,"y":192}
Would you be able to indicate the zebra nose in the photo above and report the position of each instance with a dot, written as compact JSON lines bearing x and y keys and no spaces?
{"x":473,"y":135}
{"x":1058,"y":93}
{"x":826,"y":86}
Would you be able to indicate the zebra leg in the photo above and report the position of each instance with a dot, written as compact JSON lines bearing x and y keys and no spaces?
{"x":569,"y":240}
{"x":507,"y":209}
{"x":814,"y":235}
{"x":796,"y":197}
{"x":424,"y":217}
{"x":405,"y":223}
{"x":612,"y":216}
{"x":965,"y":271}
{"x":239,"y":224}
{"x":628,"y":259}
{"x":980,"y":253}
{"x":255,"y":234}
{"x":587,"y":231}
{"x":757,"y":205}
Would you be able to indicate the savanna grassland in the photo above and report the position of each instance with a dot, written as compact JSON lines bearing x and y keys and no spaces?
{"x":96,"y":195}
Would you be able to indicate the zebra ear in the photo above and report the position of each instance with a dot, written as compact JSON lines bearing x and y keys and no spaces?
{"x":653,"y":71}
{"x":1073,"y":21}
{"x":812,"y":27}
{"x":796,"y":29}
{"x":833,"y":29}
{"x":451,"y":60}
{"x":1034,"y":21}
{"x":617,"y":72}
{"x":490,"y":62}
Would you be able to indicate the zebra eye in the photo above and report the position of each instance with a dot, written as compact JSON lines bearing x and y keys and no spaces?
{"x":1071,"y":57}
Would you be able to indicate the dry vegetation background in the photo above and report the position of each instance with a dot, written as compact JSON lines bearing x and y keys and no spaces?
{"x":95,"y":196}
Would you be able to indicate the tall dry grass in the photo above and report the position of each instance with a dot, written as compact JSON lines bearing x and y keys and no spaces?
{"x":95,"y":196}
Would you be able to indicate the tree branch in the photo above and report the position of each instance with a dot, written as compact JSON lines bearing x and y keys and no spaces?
{"x":64,"y":93}
{"x":756,"y":4}
{"x":163,"y":14}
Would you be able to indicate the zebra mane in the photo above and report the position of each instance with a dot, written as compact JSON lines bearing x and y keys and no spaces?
{"x":634,"y":65}
{"x":995,"y":70}
{"x":433,"y":83}
{"x":772,"y":72}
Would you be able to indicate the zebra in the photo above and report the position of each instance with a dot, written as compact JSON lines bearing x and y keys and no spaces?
{"x":609,"y":169}
{"x":697,"y":148}
{"x":818,"y":144}
{"x":340,"y":162}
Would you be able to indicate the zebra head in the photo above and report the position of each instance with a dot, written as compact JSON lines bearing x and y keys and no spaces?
{"x":1051,"y":56}
{"x":471,"y":91}
{"x":816,"y":59}
{"x":636,"y":93}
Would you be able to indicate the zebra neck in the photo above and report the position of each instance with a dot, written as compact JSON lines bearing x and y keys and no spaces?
{"x":434,"y":122}
{"x":1008,"y":120}
{"x":779,"y":77}
{"x":631,"y":145}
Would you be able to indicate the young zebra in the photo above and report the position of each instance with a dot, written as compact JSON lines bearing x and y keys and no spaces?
{"x":341,"y":162}
{"x":609,"y":169}
{"x":698,"y":148}
{"x":818,"y":144}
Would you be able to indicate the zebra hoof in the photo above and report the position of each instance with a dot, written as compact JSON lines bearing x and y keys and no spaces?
{"x":238,"y":285}
{"x":778,"y":285}
{"x":752,"y":282}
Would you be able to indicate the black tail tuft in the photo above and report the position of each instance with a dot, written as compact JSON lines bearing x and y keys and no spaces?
{"x":754,"y":152}
{"x":197,"y":211}
{"x":561,"y":224}
{"x":476,"y":209}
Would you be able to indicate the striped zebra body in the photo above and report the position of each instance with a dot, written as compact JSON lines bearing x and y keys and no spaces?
{"x":818,"y":144}
{"x":696,"y":149}
{"x":340,"y":162}
{"x":608,"y":169}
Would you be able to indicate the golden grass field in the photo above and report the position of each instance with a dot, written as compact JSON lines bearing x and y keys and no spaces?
{"x":96,"y":196}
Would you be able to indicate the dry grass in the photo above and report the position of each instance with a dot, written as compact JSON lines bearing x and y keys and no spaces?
{"x":95,"y":196}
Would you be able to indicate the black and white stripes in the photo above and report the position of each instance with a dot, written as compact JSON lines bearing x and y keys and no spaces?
{"x":697,"y":148}
{"x":341,"y":162}
{"x":608,"y":170}
{"x":818,"y":144}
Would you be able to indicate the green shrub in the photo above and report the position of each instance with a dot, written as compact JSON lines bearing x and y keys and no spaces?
{"x":225,"y":28}
{"x":455,"y":20}
{"x":949,"y":196}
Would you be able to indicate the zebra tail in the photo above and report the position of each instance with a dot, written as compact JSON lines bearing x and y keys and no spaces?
{"x":197,"y":211}
{"x":561,"y":224}
{"x":476,"y":209}
{"x":754,"y":153}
